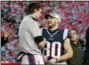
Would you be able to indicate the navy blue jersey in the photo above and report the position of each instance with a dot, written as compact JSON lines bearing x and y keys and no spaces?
{"x":55,"y":41}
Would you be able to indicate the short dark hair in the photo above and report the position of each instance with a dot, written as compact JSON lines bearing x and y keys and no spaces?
{"x":75,"y":30}
{"x":32,"y":6}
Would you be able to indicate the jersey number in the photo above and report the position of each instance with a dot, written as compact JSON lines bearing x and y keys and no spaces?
{"x":53,"y":49}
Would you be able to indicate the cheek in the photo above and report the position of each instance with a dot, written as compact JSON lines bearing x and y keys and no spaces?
{"x":75,"y":36}
{"x":54,"y":23}
{"x":39,"y":15}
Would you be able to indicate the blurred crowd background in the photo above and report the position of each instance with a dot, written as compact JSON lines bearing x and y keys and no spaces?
{"x":73,"y":15}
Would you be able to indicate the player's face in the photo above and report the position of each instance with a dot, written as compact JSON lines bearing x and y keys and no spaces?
{"x":51,"y":22}
{"x":38,"y":14}
{"x":74,"y":35}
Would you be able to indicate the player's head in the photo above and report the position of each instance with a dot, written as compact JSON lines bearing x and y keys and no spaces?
{"x":74,"y":35}
{"x":52,"y":19}
{"x":35,"y":8}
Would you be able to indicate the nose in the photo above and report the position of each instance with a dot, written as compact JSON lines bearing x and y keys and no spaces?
{"x":48,"y":20}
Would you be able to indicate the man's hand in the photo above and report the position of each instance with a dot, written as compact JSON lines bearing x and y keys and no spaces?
{"x":52,"y":61}
{"x":45,"y":60}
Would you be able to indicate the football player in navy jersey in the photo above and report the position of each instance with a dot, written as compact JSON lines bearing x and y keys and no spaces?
{"x":58,"y":48}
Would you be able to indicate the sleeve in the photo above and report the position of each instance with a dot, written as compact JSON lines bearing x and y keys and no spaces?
{"x":38,"y":39}
{"x":34,"y":29}
{"x":66,"y":34}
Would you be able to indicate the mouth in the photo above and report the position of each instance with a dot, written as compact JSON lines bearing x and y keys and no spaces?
{"x":49,"y":22}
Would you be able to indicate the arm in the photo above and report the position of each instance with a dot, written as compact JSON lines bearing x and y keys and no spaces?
{"x":68,"y":49}
{"x":40,"y":41}
{"x":67,"y":55}
{"x":36,"y":32}
{"x":42,"y":44}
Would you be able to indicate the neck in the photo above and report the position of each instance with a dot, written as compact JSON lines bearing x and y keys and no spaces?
{"x":75,"y":42}
{"x":33,"y":15}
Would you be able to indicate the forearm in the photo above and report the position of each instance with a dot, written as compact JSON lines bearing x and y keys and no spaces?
{"x":68,"y":49}
{"x":42,"y":44}
{"x":64,"y":57}
{"x":40,"y":41}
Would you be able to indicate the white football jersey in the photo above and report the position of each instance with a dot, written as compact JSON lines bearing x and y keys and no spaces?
{"x":29,"y":29}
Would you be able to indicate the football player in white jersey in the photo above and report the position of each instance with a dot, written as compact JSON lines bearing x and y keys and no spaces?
{"x":30,"y":37}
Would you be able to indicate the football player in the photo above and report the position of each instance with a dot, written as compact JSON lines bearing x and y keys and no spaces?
{"x":58,"y":48}
{"x":30,"y":37}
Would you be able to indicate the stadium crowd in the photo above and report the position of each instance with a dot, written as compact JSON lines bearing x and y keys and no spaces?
{"x":73,"y":15}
